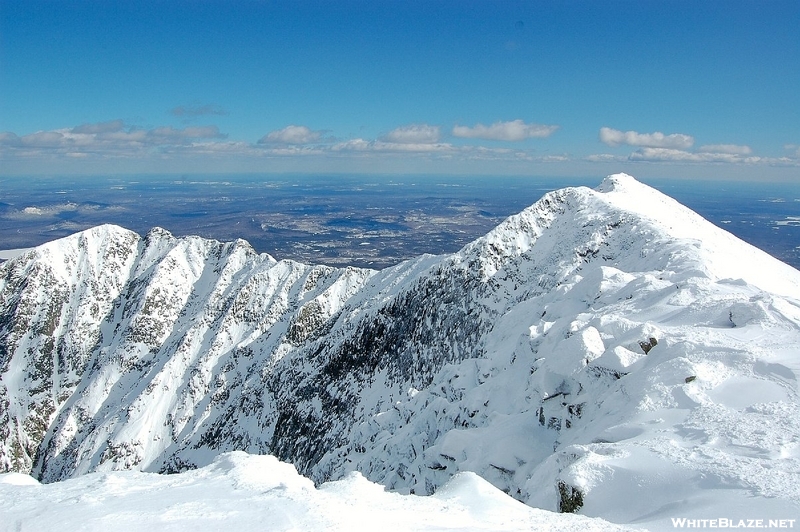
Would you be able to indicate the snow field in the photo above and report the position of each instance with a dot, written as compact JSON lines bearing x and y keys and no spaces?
{"x":246,"y":492}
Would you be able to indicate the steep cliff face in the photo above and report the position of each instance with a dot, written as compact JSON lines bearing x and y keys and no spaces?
{"x":54,"y":300}
{"x":593,"y":333}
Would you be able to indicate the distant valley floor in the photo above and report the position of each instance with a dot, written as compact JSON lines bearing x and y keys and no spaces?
{"x":362,"y":221}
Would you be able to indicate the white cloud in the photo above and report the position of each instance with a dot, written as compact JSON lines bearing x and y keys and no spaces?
{"x":554,"y":159}
{"x":353,"y":145}
{"x":438,"y":151}
{"x":733,"y":149}
{"x":606,"y":158}
{"x":105,"y":139}
{"x":413,"y":134}
{"x":511,"y":131}
{"x":671,"y":155}
{"x":666,"y":155}
{"x":614,"y":137}
{"x":707,"y":154}
{"x":114,"y":140}
{"x":377,"y":146}
{"x":131,"y":136}
{"x":291,"y":135}
{"x":205,"y":147}
{"x":7,"y":138}
{"x":421,"y":147}
{"x":43,"y":139}
{"x":724,"y":155}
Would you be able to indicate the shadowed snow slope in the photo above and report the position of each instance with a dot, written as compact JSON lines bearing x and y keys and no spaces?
{"x":605,"y":351}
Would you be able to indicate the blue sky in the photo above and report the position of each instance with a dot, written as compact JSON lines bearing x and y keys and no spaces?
{"x":670,"y":88}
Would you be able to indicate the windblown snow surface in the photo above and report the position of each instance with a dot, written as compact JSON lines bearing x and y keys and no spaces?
{"x":246,"y":492}
{"x":606,"y":352}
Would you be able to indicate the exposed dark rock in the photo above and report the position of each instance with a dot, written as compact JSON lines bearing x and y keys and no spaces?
{"x":570,"y":498}
{"x":648,"y":344}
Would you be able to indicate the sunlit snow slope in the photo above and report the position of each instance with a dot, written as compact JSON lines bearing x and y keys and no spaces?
{"x":605,"y":351}
{"x":257,"y":493}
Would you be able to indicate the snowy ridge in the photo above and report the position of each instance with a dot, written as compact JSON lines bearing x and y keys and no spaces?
{"x":601,"y":347}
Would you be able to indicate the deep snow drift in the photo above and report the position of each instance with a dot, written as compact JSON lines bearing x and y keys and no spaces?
{"x":605,"y":351}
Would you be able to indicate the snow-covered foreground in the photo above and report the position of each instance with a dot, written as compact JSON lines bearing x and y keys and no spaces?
{"x":243,"y":492}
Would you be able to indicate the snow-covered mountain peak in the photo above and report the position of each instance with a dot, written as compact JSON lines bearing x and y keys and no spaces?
{"x":618,"y":182}
{"x":623,"y":224}
{"x":624,"y":192}
{"x":710,"y":250}
{"x":578,"y":356}
{"x":630,"y":225}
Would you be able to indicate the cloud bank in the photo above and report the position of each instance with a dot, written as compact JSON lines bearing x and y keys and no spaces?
{"x":112,"y":138}
{"x":614,"y":137}
{"x":415,"y":145}
{"x":671,"y":155}
{"x":733,"y":149}
{"x":291,"y":135}
{"x":676,"y":148}
{"x":514,"y":130}
{"x":384,"y":146}
{"x":413,"y":134}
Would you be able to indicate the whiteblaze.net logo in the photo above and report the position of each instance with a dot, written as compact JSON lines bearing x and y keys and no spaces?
{"x":722,"y":522}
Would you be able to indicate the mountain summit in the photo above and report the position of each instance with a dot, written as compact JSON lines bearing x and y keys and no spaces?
{"x":604,"y":351}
